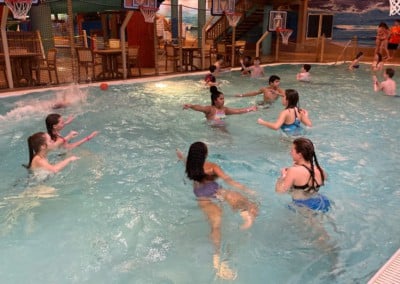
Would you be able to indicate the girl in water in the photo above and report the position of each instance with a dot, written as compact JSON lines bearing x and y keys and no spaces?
{"x":209,"y":196}
{"x":38,"y":145}
{"x":216,"y":112}
{"x":304,"y":178}
{"x":290,"y":119}
{"x":54,"y":124}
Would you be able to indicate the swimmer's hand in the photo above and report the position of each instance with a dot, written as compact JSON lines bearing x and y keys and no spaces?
{"x":252,"y":108}
{"x":260,"y":121}
{"x":93,"y":134}
{"x":69,"y":119}
{"x":283,"y":172}
{"x":73,"y":158}
{"x":180,"y":155}
{"x":303,"y":111}
{"x":71,"y":134}
{"x":187,"y":106}
{"x":374,"y":79}
{"x":250,"y":191}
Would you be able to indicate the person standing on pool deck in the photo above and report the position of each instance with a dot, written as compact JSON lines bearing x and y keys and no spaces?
{"x":388,"y":86}
{"x":290,"y":118}
{"x":394,"y":38}
{"x":304,"y":178}
{"x":210,"y":195}
{"x":217,"y":111}
{"x":271,"y":93}
{"x":38,"y":145}
{"x":54,"y":124}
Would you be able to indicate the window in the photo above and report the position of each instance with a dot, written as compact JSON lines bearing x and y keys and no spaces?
{"x":319,"y":24}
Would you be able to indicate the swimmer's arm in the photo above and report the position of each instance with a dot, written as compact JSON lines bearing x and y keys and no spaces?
{"x":281,"y":92}
{"x":71,"y":134}
{"x":69,"y":119}
{"x":70,"y":146}
{"x":274,"y":125}
{"x":285,"y":182}
{"x":44,"y":164}
{"x":229,"y":111}
{"x":221,"y":174}
{"x":251,"y":94}
{"x":205,"y":109}
{"x":180,"y":156}
{"x":305,"y":119}
{"x":377,"y":84}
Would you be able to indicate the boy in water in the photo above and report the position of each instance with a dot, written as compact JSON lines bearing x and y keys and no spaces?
{"x":388,"y":86}
{"x":255,"y":70}
{"x":304,"y":74}
{"x":210,"y":79}
{"x":246,"y":63}
{"x":271,"y":92}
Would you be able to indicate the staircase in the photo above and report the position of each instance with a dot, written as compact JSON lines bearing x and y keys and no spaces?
{"x":252,"y":15}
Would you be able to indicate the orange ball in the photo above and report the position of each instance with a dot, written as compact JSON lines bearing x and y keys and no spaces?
{"x":104,"y":86}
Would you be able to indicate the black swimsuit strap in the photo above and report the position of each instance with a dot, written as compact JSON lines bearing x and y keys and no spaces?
{"x":312,"y":178}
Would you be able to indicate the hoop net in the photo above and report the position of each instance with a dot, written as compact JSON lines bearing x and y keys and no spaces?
{"x":285,"y":34}
{"x":19,"y":8}
{"x":233,"y":18}
{"x":149,"y":13}
{"x":394,"y":7}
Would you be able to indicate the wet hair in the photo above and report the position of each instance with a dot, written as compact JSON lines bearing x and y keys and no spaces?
{"x":212,"y":68}
{"x":383,"y":25}
{"x":35,"y":141}
{"x":390,"y":72}
{"x":292,"y":98}
{"x":51,"y":120}
{"x":307,"y":67}
{"x":273,"y":78}
{"x":257,"y":58}
{"x":215,"y":93}
{"x":359,"y":55}
{"x":195,"y":161}
{"x":305,"y":147}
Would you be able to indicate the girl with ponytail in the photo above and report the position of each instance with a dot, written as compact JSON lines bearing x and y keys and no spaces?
{"x":303,"y":180}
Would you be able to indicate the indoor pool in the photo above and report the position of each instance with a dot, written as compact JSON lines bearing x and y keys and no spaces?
{"x":126,"y":213}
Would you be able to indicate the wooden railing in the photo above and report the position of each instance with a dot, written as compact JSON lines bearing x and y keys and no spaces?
{"x":221,"y":26}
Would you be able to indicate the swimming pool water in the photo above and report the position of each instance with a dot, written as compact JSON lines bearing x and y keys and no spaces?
{"x":125,"y":213}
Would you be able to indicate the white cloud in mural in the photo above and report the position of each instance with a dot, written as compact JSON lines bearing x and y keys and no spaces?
{"x":348,"y":5}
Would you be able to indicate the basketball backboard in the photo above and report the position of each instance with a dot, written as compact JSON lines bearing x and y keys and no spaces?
{"x":218,"y":7}
{"x":135,"y":4}
{"x":277,"y":19}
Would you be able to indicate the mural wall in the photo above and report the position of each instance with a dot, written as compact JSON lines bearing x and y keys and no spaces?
{"x":355,"y":17}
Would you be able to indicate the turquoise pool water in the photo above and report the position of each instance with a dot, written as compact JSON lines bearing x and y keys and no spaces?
{"x":125,"y":213}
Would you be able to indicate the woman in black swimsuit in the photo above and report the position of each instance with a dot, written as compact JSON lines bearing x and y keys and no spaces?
{"x":303,"y":180}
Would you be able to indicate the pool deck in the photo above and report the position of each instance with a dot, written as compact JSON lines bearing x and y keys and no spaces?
{"x":293,"y":53}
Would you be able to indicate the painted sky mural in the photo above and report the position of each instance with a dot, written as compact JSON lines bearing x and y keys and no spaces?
{"x":350,"y":17}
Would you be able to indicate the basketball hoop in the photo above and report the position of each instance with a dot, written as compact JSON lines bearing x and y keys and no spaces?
{"x":233,"y":18}
{"x":394,"y":7}
{"x":285,"y":34}
{"x":149,"y":13}
{"x":19,"y":8}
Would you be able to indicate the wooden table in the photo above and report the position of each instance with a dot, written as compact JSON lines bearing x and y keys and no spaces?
{"x":109,"y":59}
{"x":21,"y":67}
{"x":187,"y":57}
